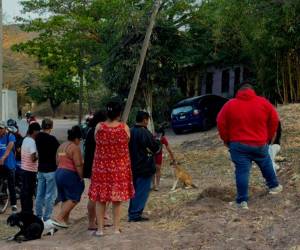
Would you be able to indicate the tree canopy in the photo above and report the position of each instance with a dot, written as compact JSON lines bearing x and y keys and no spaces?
{"x":77,"y":36}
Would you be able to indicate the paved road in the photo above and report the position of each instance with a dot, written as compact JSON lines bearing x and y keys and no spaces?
{"x":60,"y":127}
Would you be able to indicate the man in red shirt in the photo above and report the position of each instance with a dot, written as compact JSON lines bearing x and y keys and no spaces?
{"x":246,"y":124}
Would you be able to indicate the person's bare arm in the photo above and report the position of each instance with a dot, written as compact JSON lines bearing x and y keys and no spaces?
{"x":9,"y":148}
{"x":34,"y":157}
{"x":171,"y":154}
{"x":127,"y":129}
{"x":78,"y":161}
{"x":96,"y":129}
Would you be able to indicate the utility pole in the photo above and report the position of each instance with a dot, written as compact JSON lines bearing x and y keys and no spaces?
{"x":1,"y":60}
{"x":140,"y":64}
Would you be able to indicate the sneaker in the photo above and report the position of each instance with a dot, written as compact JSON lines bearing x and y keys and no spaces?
{"x":139,"y":219}
{"x":276,"y":190}
{"x":14,"y":209}
{"x":243,"y":205}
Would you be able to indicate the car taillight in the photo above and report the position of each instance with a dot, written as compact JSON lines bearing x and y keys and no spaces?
{"x":196,"y":112}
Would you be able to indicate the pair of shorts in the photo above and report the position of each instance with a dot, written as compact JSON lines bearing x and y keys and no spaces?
{"x":69,"y":185}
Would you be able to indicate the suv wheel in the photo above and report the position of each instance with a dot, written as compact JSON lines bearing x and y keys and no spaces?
{"x":206,"y":124}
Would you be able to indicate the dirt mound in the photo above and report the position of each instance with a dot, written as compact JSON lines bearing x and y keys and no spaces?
{"x":226,"y":194}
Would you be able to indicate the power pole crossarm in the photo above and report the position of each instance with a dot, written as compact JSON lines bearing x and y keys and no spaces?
{"x":140,"y":64}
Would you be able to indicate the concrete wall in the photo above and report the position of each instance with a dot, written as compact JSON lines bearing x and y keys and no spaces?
{"x":9,"y":105}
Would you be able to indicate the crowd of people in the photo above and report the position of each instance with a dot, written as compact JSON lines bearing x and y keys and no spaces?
{"x":122,"y":163}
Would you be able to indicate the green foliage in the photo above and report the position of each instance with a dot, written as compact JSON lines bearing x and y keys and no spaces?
{"x":102,"y":39}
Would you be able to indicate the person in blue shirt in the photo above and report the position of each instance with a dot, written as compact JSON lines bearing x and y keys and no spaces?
{"x":8,"y":162}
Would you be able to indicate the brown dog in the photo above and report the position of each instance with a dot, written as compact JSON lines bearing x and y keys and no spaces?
{"x":182,"y":176}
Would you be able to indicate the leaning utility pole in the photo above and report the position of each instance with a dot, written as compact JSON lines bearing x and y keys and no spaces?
{"x":1,"y":60}
{"x":140,"y":64}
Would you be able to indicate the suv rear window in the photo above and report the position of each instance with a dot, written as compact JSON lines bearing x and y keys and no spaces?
{"x":183,"y":109}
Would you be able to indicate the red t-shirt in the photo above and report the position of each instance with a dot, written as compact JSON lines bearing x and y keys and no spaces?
{"x":159,"y":156}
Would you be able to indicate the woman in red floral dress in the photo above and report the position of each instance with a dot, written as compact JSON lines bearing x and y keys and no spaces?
{"x":111,"y":175}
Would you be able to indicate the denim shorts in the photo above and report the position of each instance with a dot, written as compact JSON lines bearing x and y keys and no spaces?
{"x":69,"y":185}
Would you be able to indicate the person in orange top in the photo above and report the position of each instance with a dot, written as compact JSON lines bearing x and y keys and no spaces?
{"x":69,"y":176}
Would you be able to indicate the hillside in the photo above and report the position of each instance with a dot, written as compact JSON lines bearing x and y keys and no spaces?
{"x":19,"y":69}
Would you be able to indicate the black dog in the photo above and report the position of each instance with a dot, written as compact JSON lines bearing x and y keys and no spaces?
{"x":31,"y":227}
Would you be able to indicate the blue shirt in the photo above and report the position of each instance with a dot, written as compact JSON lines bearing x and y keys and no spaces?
{"x":10,"y":161}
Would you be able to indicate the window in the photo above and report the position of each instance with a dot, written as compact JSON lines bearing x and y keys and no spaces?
{"x":225,"y":81}
{"x":184,"y":109}
{"x":209,"y":82}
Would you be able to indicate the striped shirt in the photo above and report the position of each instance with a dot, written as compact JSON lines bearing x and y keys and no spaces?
{"x":28,"y":148}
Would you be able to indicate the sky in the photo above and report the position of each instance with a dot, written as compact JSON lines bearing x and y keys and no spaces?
{"x":11,"y":8}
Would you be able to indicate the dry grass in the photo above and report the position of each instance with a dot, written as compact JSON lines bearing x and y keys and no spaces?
{"x":208,"y":162}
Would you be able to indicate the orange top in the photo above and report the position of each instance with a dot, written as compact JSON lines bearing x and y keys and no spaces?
{"x":65,"y":159}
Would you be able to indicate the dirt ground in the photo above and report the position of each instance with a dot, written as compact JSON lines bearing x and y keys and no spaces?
{"x":202,"y":218}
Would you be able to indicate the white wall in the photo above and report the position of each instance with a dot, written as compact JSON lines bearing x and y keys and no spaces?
{"x":9,"y":104}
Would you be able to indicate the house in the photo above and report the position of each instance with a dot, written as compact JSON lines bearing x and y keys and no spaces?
{"x":222,"y":81}
{"x":214,"y":80}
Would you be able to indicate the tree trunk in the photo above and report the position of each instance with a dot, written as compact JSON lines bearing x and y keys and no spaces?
{"x":89,"y":100}
{"x":54,"y":107}
{"x":80,"y":96}
{"x":140,"y":64}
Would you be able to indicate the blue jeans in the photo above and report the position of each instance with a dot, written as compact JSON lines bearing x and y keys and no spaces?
{"x":46,"y":195}
{"x":142,"y":186}
{"x":242,"y":156}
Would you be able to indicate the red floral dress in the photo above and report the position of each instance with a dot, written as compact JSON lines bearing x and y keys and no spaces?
{"x":111,"y":175}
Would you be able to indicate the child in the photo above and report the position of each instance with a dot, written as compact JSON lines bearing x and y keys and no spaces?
{"x":159,"y":157}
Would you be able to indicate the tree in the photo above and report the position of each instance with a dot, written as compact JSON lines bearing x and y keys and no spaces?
{"x":57,"y":88}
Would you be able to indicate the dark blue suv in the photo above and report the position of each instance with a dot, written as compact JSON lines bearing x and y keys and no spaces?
{"x":198,"y":112}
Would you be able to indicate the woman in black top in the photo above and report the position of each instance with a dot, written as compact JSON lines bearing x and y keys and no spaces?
{"x":89,"y":150}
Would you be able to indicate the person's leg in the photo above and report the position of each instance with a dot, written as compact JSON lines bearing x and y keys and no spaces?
{"x":137,"y":203}
{"x":50,"y":194}
{"x":11,"y":186}
{"x":117,"y":215}
{"x":32,"y":189}
{"x":242,"y":161}
{"x":91,"y":207}
{"x":157,"y":178}
{"x":25,"y":192}
{"x":263,"y":160}
{"x":40,"y":196}
{"x":65,"y":211}
{"x":100,"y":212}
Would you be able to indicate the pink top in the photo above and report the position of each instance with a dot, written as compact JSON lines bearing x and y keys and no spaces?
{"x":65,"y":160}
